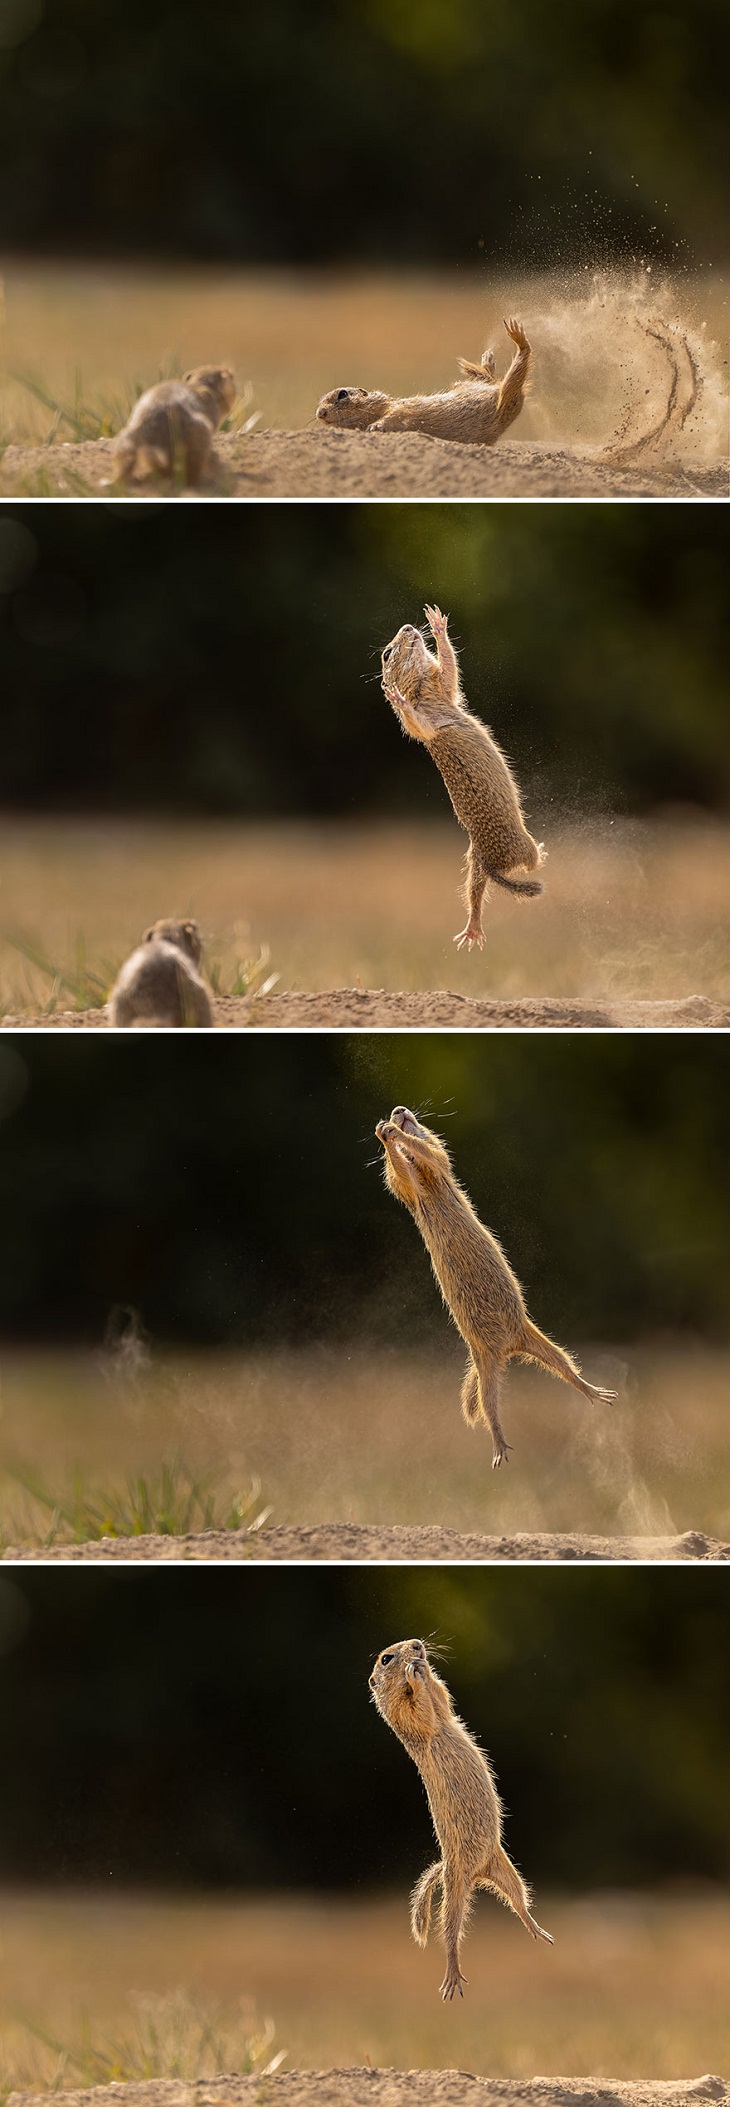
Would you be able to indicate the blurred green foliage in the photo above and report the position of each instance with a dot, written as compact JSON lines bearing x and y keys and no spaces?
{"x":214,"y":659}
{"x":364,"y":129}
{"x":215,"y":1729}
{"x":228,"y":1187}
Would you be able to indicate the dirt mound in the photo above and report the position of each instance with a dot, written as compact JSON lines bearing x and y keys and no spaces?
{"x":376,"y":1009}
{"x":319,"y":463}
{"x":347,"y":1009}
{"x":358,"y":1541}
{"x":361,"y":2087}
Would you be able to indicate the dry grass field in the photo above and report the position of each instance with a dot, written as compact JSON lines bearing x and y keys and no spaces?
{"x":79,"y":341}
{"x":327,"y":1436}
{"x":636,"y":1986}
{"x":633,"y":911}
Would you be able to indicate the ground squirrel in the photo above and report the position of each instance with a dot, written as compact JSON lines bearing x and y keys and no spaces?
{"x":476,"y":409}
{"x":171,"y":427}
{"x":465,"y":1807}
{"x":477,"y":1284}
{"x":425,"y":693}
{"x":160,"y":984}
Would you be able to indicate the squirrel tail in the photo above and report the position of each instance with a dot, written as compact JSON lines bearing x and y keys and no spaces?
{"x":421,"y":1901}
{"x":471,"y":1403}
{"x":527,"y":887}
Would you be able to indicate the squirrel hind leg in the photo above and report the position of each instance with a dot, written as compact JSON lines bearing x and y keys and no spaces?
{"x":483,"y":369}
{"x":502,"y":1878}
{"x":149,"y":461}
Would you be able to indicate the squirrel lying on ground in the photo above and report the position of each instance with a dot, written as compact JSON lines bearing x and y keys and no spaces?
{"x":476,"y":409}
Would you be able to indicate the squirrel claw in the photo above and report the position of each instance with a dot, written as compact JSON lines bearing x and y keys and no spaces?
{"x":516,"y":331}
{"x":450,"y":1984}
{"x":469,"y":936}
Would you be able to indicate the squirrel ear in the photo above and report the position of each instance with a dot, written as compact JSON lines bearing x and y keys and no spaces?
{"x":148,"y":935}
{"x":190,"y":928}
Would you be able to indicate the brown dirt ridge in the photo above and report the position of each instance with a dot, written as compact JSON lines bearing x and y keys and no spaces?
{"x":363,"y":2087}
{"x":377,"y":1009}
{"x":359,"y":1541}
{"x":315,"y":463}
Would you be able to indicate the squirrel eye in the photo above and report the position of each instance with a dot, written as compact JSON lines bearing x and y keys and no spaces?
{"x":342,"y":394}
{"x":385,"y":1658}
{"x":386,"y":654}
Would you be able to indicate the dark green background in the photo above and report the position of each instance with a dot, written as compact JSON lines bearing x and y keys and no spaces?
{"x":351,"y":130}
{"x":215,"y":1727}
{"x":216,"y":659}
{"x":226,"y":1186}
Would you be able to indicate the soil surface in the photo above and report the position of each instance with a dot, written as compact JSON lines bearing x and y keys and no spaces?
{"x":316,"y":463}
{"x":376,"y":1009}
{"x":359,"y":1541}
{"x":361,"y":2087}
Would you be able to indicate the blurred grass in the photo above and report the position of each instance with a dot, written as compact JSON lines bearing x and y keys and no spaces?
{"x":379,"y":1437}
{"x":636,"y":1985}
{"x":630,"y":909}
{"x":174,"y":2037}
{"x":172,"y":1502}
{"x":108,"y":331}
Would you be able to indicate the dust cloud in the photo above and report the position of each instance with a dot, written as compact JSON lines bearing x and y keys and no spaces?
{"x":621,"y":362}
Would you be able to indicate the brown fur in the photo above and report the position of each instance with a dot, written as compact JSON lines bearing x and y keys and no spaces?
{"x":476,"y":409}
{"x":161,"y":984}
{"x":477,"y":1284}
{"x":171,"y":427}
{"x":465,"y":1807}
{"x":425,"y":692}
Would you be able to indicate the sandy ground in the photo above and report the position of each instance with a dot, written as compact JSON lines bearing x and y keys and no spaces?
{"x":363,"y":2087}
{"x":375,"y":1009}
{"x":353,"y":1541}
{"x":316,"y":463}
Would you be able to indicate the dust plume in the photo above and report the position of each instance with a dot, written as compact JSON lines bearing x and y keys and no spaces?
{"x":603,"y":1446}
{"x":622,"y":363}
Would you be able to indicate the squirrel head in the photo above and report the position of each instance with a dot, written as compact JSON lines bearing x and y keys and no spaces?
{"x":389,"y":1680}
{"x":351,"y":409}
{"x":407,"y":664}
{"x":216,"y":386}
{"x":415,"y":1161}
{"x":184,"y":935}
{"x":398,"y":1673}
